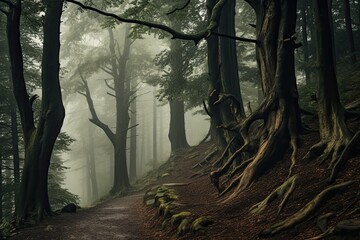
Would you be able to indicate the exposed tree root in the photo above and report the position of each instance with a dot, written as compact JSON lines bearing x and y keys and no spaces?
{"x":215,"y":175}
{"x":347,"y":228}
{"x":304,"y":212}
{"x":207,"y":158}
{"x":354,"y":142}
{"x":283,"y":191}
{"x":221,"y":158}
{"x":239,"y":168}
{"x":322,"y":221}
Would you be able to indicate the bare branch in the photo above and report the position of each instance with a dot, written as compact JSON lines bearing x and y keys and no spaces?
{"x":178,"y":9}
{"x":212,"y":25}
{"x":107,"y":71}
{"x":111,"y":94}
{"x":236,"y":38}
{"x":108,"y":85}
{"x":95,"y":119}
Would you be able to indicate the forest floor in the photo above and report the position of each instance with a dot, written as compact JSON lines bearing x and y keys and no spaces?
{"x":129,"y":218}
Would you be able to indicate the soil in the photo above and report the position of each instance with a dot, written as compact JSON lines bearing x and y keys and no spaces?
{"x":129,"y":218}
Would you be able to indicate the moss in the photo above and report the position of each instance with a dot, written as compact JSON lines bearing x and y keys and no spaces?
{"x":200,"y":223}
{"x":177,"y":218}
{"x":183,"y":227}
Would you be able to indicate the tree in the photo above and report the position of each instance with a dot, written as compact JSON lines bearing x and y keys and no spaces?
{"x":39,"y":140}
{"x":334,"y":135}
{"x":122,"y":95}
{"x":349,"y":31}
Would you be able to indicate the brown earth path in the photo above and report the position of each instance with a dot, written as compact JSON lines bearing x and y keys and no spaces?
{"x":114,"y":219}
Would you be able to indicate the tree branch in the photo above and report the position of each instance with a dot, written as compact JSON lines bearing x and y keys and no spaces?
{"x":178,"y":9}
{"x":108,"y":85}
{"x":107,"y":71}
{"x":95,"y":119}
{"x":196,"y":37}
{"x":236,"y":38}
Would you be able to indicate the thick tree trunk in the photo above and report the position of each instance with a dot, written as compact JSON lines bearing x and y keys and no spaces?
{"x":349,"y":31}
{"x":177,"y":135}
{"x":280,"y":111}
{"x":334,"y":134}
{"x":33,"y":200}
{"x":217,"y":134}
{"x":229,"y":65}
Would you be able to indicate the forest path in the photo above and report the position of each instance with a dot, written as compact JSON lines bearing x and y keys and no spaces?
{"x":114,"y":219}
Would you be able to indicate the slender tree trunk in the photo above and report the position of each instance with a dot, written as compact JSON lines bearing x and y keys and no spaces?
{"x":133,"y":135}
{"x":155,"y":157}
{"x":1,"y":188}
{"x":15,"y":148}
{"x":91,"y":166}
{"x":349,"y":31}
{"x":305,"y":40}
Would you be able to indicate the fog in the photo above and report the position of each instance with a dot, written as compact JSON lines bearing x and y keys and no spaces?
{"x":91,"y":141}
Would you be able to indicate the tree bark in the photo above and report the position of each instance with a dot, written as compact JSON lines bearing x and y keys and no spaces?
{"x":177,"y":135}
{"x":133,"y":135}
{"x":154,"y":144}
{"x":33,"y":197}
{"x":334,"y":134}
{"x":92,"y":166}
{"x":280,"y":111}
{"x":217,"y":134}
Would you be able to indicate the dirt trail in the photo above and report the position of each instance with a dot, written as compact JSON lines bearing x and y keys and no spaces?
{"x":114,"y":219}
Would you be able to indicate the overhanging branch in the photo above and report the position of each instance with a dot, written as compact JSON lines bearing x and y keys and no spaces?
{"x":196,"y":37}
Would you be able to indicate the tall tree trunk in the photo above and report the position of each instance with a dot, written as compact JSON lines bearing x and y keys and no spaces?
{"x":280,"y":111}
{"x":91,"y":166}
{"x":133,"y":135}
{"x":333,"y":131}
{"x":1,"y":188}
{"x":15,"y":149}
{"x":217,"y":134}
{"x":177,"y":133}
{"x":155,"y":157}
{"x":305,"y":40}
{"x":39,"y":142}
{"x":228,"y":55}
{"x":349,"y":31}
